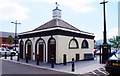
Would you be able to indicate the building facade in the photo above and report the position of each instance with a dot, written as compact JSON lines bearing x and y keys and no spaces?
{"x":4,"y":38}
{"x":57,"y":40}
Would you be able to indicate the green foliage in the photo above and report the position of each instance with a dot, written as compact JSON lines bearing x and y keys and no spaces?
{"x":10,"y":39}
{"x":115,"y":41}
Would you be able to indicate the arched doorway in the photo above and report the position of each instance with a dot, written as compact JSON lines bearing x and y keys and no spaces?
{"x":51,"y":50}
{"x":40,"y":50}
{"x":21,"y":49}
{"x":29,"y":49}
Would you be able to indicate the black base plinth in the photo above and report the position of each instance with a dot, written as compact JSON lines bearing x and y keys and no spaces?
{"x":105,"y":53}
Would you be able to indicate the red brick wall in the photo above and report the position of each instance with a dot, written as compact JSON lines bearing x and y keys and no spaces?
{"x":4,"y":41}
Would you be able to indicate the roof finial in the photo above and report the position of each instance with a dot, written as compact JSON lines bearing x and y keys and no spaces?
{"x":57,"y":5}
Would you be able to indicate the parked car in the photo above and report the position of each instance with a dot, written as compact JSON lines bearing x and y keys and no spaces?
{"x":17,"y":49}
{"x":98,"y":52}
{"x":113,"y":64}
{"x":8,"y":51}
{"x":113,"y":52}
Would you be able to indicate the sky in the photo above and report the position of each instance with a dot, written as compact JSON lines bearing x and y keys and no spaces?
{"x":86,"y":15}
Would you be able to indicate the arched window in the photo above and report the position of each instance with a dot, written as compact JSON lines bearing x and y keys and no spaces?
{"x":52,"y":41}
{"x":73,"y":44}
{"x":85,"y":44}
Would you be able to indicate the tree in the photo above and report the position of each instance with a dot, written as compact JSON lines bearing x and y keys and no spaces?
{"x":10,"y":39}
{"x":115,"y":41}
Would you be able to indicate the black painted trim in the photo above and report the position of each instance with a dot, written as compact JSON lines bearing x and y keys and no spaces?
{"x":77,"y":45}
{"x":36,"y":48}
{"x":56,"y":32}
{"x":26,"y":46}
{"x":87,"y":44}
{"x":21,"y":44}
{"x":48,"y":51}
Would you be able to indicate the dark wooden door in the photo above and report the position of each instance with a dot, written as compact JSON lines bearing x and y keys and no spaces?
{"x":41,"y":48}
{"x":77,"y":57}
{"x":21,"y":51}
{"x":29,"y":52}
{"x":52,"y":53}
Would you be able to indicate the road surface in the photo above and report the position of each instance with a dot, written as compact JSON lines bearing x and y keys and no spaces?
{"x":15,"y":69}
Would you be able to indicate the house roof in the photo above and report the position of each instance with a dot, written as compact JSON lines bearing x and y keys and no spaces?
{"x":56,"y":23}
{"x":6,"y":34}
{"x":53,"y":24}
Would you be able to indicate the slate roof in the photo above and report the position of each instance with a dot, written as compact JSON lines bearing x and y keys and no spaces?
{"x":56,"y":23}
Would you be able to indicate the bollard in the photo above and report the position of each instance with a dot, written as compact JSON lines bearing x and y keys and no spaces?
{"x":37,"y":59}
{"x":73,"y":65}
{"x":52,"y":65}
{"x":52,"y":61}
{"x":18,"y":59}
{"x":11,"y":56}
{"x":64,"y":59}
{"x":26,"y":58}
{"x":5,"y":55}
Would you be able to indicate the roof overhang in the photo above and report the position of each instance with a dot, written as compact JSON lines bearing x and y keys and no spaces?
{"x":54,"y":28}
{"x":56,"y":31}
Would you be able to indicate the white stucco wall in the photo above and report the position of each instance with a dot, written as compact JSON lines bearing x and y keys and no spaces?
{"x":34,"y":40}
{"x":62,"y":47}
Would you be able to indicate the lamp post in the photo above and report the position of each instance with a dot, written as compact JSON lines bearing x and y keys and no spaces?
{"x":15,"y":38}
{"x":105,"y":47}
{"x":104,"y":33}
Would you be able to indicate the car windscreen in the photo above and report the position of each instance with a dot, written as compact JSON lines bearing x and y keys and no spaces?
{"x":117,"y":54}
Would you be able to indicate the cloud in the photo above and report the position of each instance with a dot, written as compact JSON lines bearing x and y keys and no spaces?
{"x":12,"y":10}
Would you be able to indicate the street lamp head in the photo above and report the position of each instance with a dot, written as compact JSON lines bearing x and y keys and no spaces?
{"x":12,"y":22}
{"x":104,"y":2}
{"x":15,"y":23}
{"x":19,"y":23}
{"x":107,"y":1}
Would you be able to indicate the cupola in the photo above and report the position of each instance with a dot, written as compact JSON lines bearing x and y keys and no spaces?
{"x":57,"y":12}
